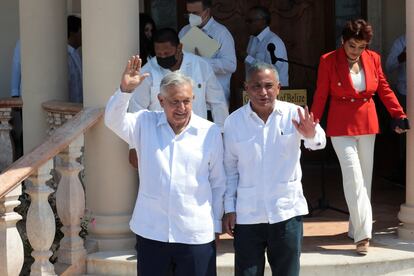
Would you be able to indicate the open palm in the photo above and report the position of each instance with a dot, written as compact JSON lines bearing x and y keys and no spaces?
{"x":132,"y":76}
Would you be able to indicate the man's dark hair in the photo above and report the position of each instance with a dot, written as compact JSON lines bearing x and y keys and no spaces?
{"x":167,"y":35}
{"x":206,"y":3}
{"x":263,"y":12}
{"x":74,"y":24}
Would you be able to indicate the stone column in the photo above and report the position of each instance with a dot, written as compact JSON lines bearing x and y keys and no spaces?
{"x":110,"y":35}
{"x":406,"y":214}
{"x":43,"y":35}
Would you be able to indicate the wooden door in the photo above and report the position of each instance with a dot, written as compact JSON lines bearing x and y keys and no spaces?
{"x":306,"y":27}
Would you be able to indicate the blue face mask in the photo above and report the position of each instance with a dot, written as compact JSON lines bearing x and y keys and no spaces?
{"x":167,"y":62}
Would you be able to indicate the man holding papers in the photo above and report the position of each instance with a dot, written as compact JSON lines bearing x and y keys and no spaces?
{"x":223,"y":61}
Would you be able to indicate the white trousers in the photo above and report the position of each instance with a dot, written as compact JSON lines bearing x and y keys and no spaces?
{"x":356,"y":157}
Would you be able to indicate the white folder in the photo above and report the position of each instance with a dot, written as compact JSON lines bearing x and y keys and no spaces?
{"x":195,"y":37}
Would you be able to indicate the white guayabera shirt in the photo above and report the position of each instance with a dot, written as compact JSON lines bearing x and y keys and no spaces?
{"x":182,"y":178}
{"x":262,"y":164}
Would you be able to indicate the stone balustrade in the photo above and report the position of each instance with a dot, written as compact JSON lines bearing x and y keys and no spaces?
{"x":6,"y":144}
{"x":35,"y":167}
{"x":58,"y":112}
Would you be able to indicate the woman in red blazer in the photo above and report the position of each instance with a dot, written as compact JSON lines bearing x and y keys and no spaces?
{"x":350,"y":77}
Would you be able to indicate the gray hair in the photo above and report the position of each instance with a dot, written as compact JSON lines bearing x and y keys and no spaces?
{"x":175,"y":78}
{"x":261,"y":66}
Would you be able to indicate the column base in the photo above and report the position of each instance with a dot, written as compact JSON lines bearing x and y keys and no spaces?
{"x":110,"y":233}
{"x":406,"y":216}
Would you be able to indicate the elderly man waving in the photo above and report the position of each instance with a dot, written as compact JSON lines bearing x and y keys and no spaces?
{"x":182,"y":179}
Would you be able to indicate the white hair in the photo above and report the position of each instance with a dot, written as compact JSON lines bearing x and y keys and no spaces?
{"x":175,"y":78}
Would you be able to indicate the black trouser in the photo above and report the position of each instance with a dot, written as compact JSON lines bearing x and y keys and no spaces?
{"x":282,"y":241}
{"x":164,"y":258}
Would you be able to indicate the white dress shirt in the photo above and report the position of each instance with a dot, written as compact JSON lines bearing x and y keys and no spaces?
{"x":393,"y":64}
{"x":206,"y":88}
{"x":257,"y":51}
{"x":262,"y":164}
{"x":75,"y":76}
{"x":182,"y":177}
{"x":16,"y":72}
{"x":224,"y":61}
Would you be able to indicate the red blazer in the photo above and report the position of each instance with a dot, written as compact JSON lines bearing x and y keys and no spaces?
{"x":352,"y":113}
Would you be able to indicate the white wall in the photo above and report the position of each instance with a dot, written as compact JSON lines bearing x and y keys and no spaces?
{"x":9,"y":33}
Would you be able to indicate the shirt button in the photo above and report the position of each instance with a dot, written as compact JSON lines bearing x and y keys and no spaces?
{"x":365,"y":99}
{"x":339,"y":83}
{"x":352,"y":100}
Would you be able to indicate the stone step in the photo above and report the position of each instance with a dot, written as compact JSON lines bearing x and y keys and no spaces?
{"x":388,"y":256}
{"x":112,"y":263}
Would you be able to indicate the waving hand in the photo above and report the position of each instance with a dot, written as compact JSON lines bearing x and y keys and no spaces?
{"x":132,"y":76}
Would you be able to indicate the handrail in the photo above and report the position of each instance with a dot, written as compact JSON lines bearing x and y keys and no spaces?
{"x":60,"y":139}
{"x":11,"y":102}
{"x":62,"y":107}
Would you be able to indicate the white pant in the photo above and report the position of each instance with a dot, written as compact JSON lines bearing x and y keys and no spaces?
{"x":356,"y":156}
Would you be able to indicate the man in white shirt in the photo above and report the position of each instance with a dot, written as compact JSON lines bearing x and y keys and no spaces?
{"x":170,"y":57}
{"x":224,"y":61}
{"x":16,"y":72}
{"x":74,"y":60}
{"x":15,"y":92}
{"x":264,"y":201}
{"x":182,"y":180}
{"x":396,"y":60}
{"x":258,"y":22}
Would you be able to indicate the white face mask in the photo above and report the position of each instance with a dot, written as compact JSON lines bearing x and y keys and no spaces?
{"x":195,"y":20}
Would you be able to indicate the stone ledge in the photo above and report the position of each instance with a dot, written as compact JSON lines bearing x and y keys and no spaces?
{"x":388,"y":256}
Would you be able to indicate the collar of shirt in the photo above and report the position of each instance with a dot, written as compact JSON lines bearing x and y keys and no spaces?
{"x":191,"y":128}
{"x":263,"y":33}
{"x":71,"y":50}
{"x":206,"y":28}
{"x":249,"y":112}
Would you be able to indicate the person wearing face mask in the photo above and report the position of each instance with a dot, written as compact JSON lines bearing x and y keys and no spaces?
{"x":350,"y":76}
{"x":223,"y":61}
{"x":169,"y":56}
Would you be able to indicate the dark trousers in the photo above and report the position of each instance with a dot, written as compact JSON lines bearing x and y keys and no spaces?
{"x":282,"y":241}
{"x":17,"y":132}
{"x":178,"y":259}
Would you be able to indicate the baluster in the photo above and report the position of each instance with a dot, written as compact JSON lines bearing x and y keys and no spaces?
{"x":11,"y":249}
{"x":6,"y":146}
{"x":70,"y":205}
{"x":40,"y":224}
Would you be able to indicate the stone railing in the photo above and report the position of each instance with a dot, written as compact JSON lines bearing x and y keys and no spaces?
{"x":59,"y":112}
{"x":35,"y":167}
{"x":6,"y":145}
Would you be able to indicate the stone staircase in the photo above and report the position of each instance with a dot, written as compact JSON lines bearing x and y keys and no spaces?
{"x":388,"y":256}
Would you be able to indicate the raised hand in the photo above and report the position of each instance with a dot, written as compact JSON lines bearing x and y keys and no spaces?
{"x":132,"y":77}
{"x":307,"y":123}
